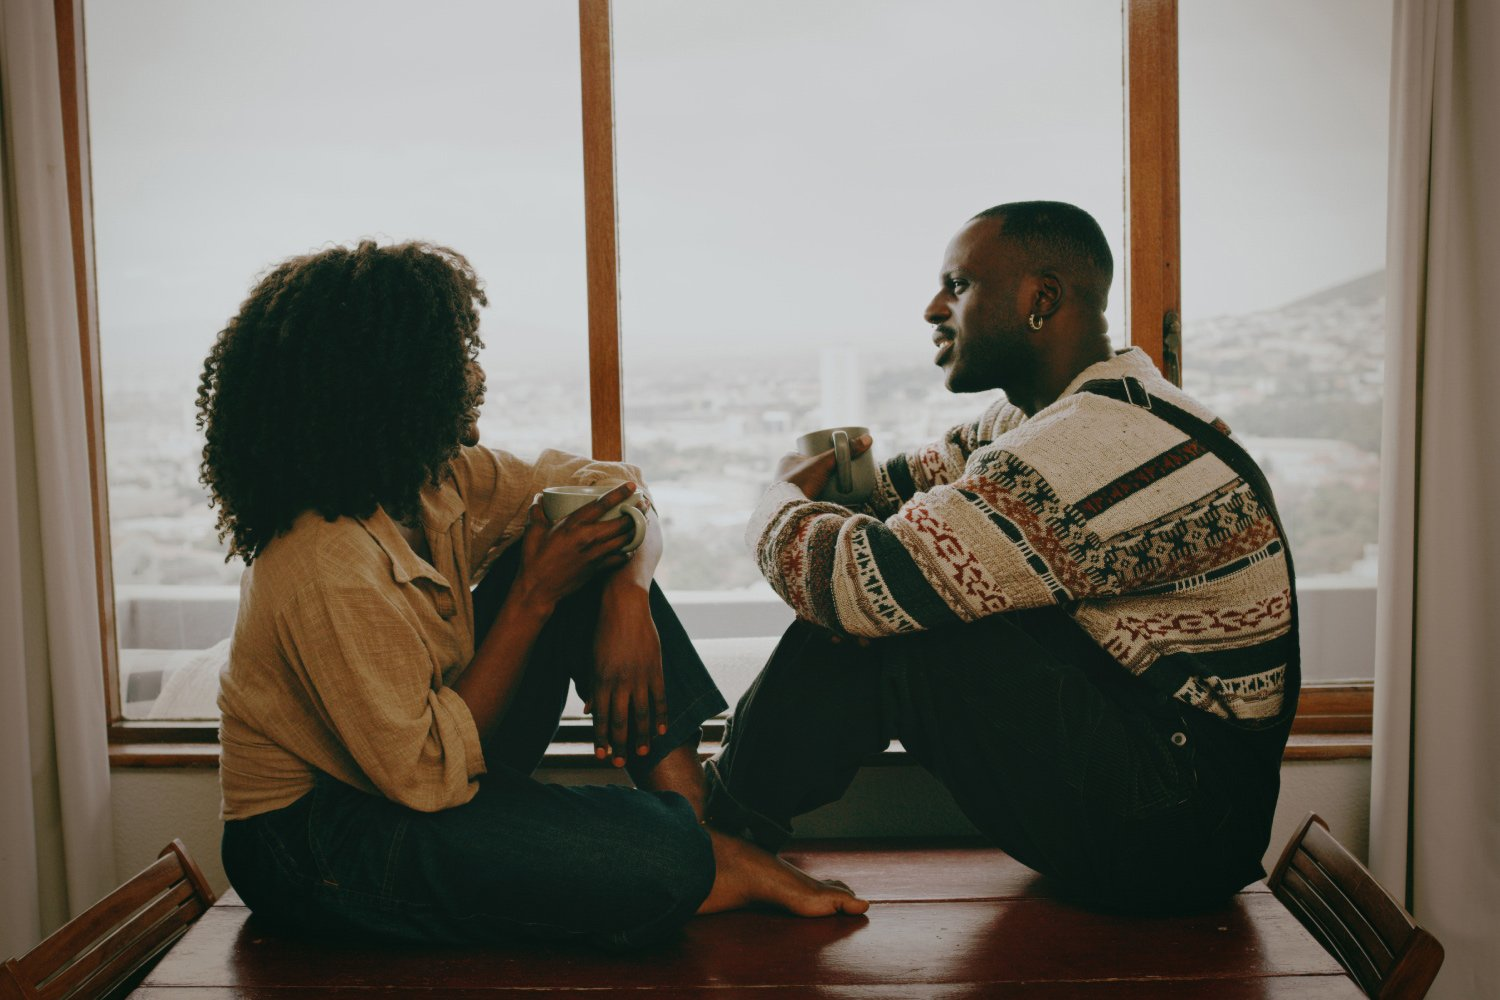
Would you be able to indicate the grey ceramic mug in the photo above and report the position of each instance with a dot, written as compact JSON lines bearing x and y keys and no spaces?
{"x":560,"y":501}
{"x":853,"y":477}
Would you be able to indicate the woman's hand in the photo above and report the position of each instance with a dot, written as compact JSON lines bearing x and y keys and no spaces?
{"x":558,"y":558}
{"x":629,"y":696}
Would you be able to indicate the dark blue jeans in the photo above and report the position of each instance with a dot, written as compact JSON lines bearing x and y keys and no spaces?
{"x":1049,"y":747}
{"x":612,"y":865}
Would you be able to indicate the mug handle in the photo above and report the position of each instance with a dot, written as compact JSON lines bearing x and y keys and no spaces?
{"x":842,"y":460}
{"x":639,"y":517}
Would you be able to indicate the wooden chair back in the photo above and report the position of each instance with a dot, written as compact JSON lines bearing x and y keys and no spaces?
{"x":1340,"y":903}
{"x":107,"y":949}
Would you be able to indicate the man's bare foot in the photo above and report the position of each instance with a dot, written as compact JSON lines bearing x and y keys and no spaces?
{"x":747,"y":876}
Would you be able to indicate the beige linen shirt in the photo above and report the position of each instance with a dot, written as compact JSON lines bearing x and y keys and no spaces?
{"x":347,"y":643}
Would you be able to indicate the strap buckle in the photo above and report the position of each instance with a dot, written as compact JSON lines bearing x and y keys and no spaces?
{"x":1134,"y":389}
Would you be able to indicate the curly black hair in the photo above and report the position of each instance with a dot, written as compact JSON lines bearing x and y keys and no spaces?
{"x":346,"y":381}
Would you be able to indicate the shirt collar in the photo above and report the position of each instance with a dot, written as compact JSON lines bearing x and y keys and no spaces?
{"x":441,"y":506}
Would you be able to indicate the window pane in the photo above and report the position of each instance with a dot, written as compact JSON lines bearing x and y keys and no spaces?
{"x":1284,"y":125}
{"x":226,"y":137}
{"x":790,"y":175}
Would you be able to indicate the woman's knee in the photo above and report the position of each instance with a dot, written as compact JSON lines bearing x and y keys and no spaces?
{"x":641,"y":882}
{"x":659,"y":881}
{"x":604,"y":861}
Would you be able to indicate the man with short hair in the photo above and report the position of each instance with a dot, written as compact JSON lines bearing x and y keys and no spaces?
{"x":1077,"y":611}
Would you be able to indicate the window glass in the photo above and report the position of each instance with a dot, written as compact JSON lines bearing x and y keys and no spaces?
{"x":1284,"y":121}
{"x":227,"y":137}
{"x":789,"y":178}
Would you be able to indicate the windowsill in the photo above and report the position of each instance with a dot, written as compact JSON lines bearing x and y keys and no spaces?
{"x":580,"y":756}
{"x":1334,"y":722}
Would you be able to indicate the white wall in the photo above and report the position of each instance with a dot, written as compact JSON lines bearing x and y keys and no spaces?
{"x":153,"y":805}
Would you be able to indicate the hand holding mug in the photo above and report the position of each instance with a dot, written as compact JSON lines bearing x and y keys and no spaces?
{"x":569,"y":541}
{"x":833,"y":464}
{"x":622,"y":501}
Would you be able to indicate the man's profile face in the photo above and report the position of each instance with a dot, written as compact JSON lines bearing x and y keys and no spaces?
{"x":979,"y":320}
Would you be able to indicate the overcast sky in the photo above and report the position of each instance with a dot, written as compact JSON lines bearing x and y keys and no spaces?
{"x":789,"y":172}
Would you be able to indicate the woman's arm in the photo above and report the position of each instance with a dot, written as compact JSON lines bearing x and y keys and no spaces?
{"x":629,"y":695}
{"x":556,"y":560}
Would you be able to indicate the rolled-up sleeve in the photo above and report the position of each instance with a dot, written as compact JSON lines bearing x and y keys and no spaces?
{"x":375,"y":687}
{"x":497,"y":489}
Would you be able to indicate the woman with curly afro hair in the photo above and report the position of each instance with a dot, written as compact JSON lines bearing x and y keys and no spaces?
{"x":408,"y":626}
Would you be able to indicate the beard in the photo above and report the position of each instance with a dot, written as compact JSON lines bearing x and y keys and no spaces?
{"x":994,"y":357}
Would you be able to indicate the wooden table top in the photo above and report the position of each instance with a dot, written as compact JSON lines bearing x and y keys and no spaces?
{"x":946,"y":922}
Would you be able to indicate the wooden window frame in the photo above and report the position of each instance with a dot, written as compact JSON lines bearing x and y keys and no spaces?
{"x":1333,"y":720}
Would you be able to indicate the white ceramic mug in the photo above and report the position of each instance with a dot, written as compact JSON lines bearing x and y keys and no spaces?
{"x":560,"y":501}
{"x":853,"y":477}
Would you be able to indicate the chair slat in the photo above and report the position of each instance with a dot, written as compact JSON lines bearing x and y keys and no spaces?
{"x":1387,"y":916}
{"x":102,"y":917}
{"x":194,"y":874}
{"x":1415,"y":968}
{"x":1352,"y":915}
{"x":1348,"y":913}
{"x":1326,"y":927}
{"x":178,"y":906}
{"x":1273,"y":881}
{"x":127,"y":962}
{"x":10,"y":983}
{"x":108,"y":946}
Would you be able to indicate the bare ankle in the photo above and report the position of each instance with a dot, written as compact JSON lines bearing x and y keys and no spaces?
{"x":680,"y":772}
{"x":748,"y":875}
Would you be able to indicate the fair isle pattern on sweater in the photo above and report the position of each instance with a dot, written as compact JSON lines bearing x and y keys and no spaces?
{"x":1153,"y":544}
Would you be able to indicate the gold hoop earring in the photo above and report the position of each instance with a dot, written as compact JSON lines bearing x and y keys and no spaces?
{"x":1034,"y":321}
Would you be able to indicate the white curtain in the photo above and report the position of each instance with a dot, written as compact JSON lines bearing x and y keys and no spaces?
{"x":56,"y":838}
{"x":1435,"y":796}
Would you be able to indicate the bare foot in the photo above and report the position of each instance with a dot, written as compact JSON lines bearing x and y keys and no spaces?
{"x":748,"y":875}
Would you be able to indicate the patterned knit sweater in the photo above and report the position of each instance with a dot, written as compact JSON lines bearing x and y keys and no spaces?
{"x":1155,"y":547}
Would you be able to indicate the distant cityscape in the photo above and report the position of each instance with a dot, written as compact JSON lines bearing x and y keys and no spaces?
{"x":1300,"y":385}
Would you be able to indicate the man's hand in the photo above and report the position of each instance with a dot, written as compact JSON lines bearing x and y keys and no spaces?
{"x":629,"y":696}
{"x":810,"y":473}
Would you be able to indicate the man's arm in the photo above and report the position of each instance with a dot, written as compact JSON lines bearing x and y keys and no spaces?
{"x":902,"y":477}
{"x":957,"y":552}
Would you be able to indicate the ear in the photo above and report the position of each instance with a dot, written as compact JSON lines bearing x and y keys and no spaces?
{"x":1047,"y":296}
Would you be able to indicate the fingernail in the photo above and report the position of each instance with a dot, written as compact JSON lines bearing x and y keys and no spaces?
{"x":600,"y":752}
{"x":619,"y":762}
{"x":642,"y":750}
{"x":661,"y":730}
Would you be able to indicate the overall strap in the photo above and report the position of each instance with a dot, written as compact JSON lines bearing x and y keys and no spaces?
{"x":1230,"y":453}
{"x":1130,"y":390}
{"x":1226,"y":449}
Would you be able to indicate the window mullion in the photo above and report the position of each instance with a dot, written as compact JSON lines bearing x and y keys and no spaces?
{"x":1152,"y":277}
{"x":596,"y":66}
